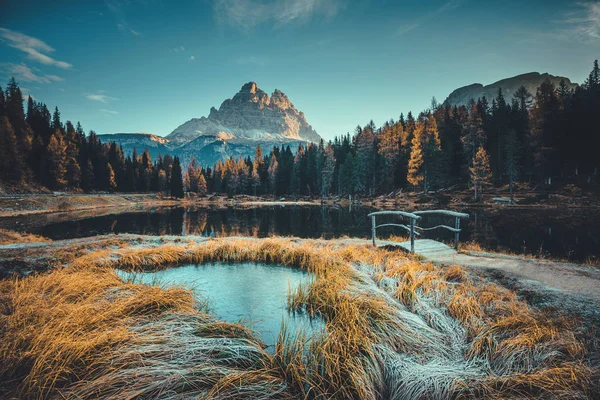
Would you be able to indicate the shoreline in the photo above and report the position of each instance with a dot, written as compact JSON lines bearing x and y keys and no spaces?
{"x":32,"y":204}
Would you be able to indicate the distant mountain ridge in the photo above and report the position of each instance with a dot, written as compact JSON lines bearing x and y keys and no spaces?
{"x":531,"y":81}
{"x":241,"y":123}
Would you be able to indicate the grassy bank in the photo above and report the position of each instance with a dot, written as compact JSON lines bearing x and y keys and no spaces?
{"x":397,"y":327}
{"x":46,"y":203}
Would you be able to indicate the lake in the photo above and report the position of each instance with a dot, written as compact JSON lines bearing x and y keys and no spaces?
{"x":570,"y":234}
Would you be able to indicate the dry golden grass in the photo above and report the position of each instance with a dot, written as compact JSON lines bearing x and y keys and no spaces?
{"x":392,"y":324}
{"x":11,"y":237}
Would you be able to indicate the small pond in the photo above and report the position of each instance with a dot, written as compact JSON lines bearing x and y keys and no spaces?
{"x":251,"y":293}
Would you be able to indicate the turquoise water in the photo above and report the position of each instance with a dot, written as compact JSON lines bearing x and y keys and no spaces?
{"x":252,"y":293}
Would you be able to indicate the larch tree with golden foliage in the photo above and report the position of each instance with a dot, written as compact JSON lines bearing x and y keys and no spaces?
{"x":112,"y":181}
{"x":480,"y":172}
{"x":416,"y":175}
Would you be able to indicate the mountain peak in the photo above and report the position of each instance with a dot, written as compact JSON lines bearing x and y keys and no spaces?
{"x":251,"y":116}
{"x":250,"y":87}
{"x":509,"y":86}
{"x":279,"y":99}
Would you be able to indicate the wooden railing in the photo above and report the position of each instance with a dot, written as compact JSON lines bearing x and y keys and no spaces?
{"x":414,"y":217}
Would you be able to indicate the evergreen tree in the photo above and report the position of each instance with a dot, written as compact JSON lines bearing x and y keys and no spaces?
{"x":10,"y":169}
{"x":56,"y":124}
{"x":346,"y":175}
{"x":56,"y":161}
{"x":176,"y":179}
{"x":512,"y":153}
{"x":73,"y":174}
{"x":162,"y":181}
{"x":327,"y":170}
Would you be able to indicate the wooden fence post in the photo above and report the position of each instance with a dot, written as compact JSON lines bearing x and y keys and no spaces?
{"x":373,"y":228}
{"x":412,"y":235}
{"x":457,"y":226}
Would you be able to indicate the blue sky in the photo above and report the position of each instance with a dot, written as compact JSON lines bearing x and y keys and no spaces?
{"x":150,"y":65}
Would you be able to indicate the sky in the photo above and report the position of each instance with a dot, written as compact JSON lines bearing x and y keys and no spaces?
{"x":151,"y":65}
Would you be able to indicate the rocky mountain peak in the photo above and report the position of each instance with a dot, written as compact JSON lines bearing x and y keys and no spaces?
{"x":250,"y":87}
{"x":250,"y":115}
{"x":279,"y":99}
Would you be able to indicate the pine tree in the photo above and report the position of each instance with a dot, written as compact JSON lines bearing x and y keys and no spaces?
{"x":56,"y":124}
{"x":162,"y":181}
{"x":3,"y":103}
{"x":480,"y":172}
{"x":512,"y":154}
{"x":296,"y":178}
{"x":593,"y":81}
{"x":176,"y":179}
{"x":365,"y":159}
{"x":56,"y":161}
{"x":346,"y":175}
{"x":327,"y":171}
{"x":10,"y":169}
{"x":474,"y":135}
{"x":431,"y":149}
{"x":73,"y":174}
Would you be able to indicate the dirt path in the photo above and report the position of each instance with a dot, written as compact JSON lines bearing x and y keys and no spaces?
{"x":569,"y":277}
{"x":546,"y":275}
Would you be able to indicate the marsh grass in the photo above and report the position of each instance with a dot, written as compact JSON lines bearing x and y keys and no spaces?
{"x":11,"y":237}
{"x":396,"y":327}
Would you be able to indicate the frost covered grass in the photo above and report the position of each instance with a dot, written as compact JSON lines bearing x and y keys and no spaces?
{"x":396,"y":327}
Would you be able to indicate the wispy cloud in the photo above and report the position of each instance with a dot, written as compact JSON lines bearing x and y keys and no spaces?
{"x":247,"y":14}
{"x":25,"y":74}
{"x":449,"y":5}
{"x":116,"y":9}
{"x":252,"y":60}
{"x":105,"y":111}
{"x":579,"y":24}
{"x":35,"y":48}
{"x":177,"y":49}
{"x":584,"y":21}
{"x":192,"y":58}
{"x":100,"y":97}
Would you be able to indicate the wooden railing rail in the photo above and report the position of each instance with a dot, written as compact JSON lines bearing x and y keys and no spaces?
{"x":414,"y":217}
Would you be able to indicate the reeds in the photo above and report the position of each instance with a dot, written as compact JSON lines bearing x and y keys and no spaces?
{"x":11,"y":237}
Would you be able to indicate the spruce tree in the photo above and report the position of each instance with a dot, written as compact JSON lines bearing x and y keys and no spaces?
{"x":10,"y":161}
{"x":176,"y":179}
{"x":56,"y":161}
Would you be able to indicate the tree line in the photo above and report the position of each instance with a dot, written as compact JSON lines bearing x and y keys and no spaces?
{"x":37,"y":147}
{"x":536,"y":138}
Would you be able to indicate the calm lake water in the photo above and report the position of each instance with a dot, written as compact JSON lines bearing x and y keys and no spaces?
{"x":253,"y":293}
{"x":572,"y":234}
